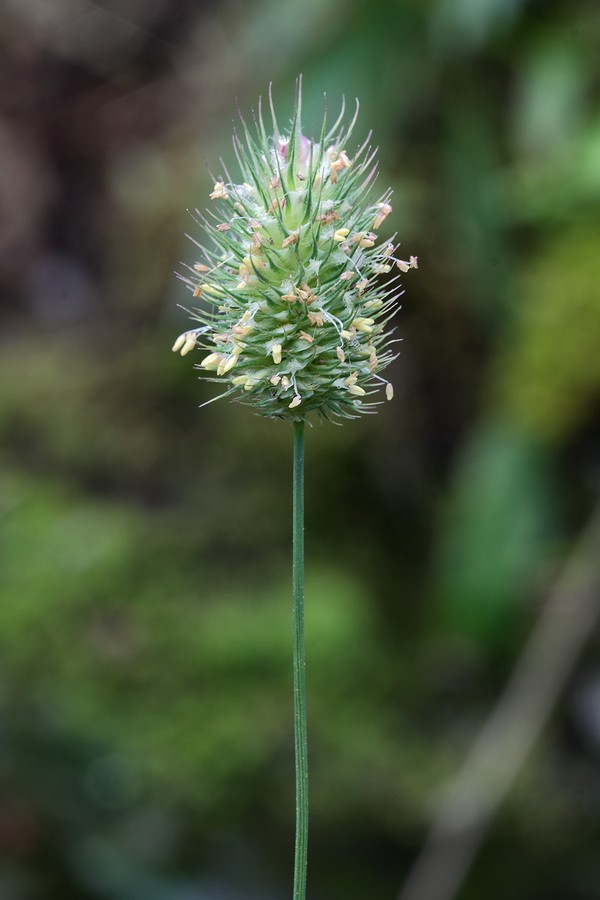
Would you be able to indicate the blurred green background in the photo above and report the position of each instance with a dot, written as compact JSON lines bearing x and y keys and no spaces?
{"x":145,"y":651}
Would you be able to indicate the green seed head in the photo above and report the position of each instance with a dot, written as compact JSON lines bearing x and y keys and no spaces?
{"x":292,"y":314}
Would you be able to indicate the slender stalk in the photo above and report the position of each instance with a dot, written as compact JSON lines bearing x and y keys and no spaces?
{"x":300,"y":729}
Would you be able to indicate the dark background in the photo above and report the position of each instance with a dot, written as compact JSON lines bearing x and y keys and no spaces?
{"x":145,"y":652}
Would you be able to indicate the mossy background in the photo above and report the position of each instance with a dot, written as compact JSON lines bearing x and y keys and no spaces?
{"x":145,"y":649}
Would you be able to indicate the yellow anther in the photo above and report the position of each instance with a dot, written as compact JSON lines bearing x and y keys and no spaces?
{"x":356,"y":390}
{"x":347,"y":335}
{"x":361,"y":323}
{"x":185,"y":342}
{"x":189,"y":345}
{"x":275,"y":379}
{"x":341,"y":234}
{"x":276,"y":353}
{"x":340,"y":354}
{"x":389,"y":390}
{"x":231,"y":362}
{"x":180,"y":341}
{"x":306,"y":337}
{"x":227,"y":365}
{"x":200,"y":267}
{"x":198,"y":291}
{"x":212,"y":361}
{"x":295,"y":402}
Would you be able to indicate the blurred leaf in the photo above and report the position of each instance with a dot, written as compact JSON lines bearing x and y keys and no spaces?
{"x":547,"y":376}
{"x":495,"y":532}
{"x":460,"y":24}
{"x":110,"y":634}
{"x":549,"y":103}
{"x":476,"y":211}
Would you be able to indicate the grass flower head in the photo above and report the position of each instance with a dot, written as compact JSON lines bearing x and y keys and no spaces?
{"x":293,"y":315}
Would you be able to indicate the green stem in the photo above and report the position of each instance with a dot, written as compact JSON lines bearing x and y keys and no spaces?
{"x":300,"y":729}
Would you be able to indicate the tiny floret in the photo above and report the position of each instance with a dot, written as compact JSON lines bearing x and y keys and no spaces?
{"x":179,"y":342}
{"x":212,"y":361}
{"x":363,"y":323}
{"x":290,"y":240}
{"x":341,"y":234}
{"x":228,"y":364}
{"x":383,"y":211}
{"x":219,"y":192}
{"x":405,"y":266}
{"x":185,"y":343}
{"x":292,"y":316}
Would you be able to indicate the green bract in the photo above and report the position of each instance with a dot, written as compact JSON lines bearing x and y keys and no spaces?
{"x":292,"y":312}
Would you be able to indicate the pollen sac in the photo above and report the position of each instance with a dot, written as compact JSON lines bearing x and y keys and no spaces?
{"x":291,"y":292}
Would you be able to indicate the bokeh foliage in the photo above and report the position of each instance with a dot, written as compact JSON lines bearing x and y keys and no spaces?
{"x":145,"y":675}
